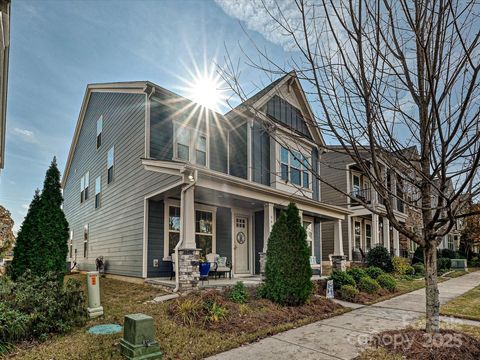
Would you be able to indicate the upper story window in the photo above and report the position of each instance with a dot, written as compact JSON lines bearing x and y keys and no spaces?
{"x":294,"y":167}
{"x":84,"y":185}
{"x":190,"y":145}
{"x":99,"y":131}
{"x":110,"y":163}
{"x":98,"y":190}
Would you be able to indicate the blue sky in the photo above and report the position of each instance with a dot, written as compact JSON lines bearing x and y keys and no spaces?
{"x":58,"y":47}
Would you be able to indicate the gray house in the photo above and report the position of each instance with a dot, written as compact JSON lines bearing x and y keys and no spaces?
{"x":363,"y":228}
{"x":152,"y":177}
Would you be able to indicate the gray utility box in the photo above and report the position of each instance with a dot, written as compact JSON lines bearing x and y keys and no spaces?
{"x":459,"y":264}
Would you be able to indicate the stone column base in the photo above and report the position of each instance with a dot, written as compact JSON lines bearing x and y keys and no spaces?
{"x":188,"y":270}
{"x":263,"y":261}
{"x":339,"y":262}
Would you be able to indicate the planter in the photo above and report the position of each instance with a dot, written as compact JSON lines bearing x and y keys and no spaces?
{"x":204,"y":269}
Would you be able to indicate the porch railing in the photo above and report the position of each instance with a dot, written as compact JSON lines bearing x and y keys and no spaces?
{"x":363,"y":195}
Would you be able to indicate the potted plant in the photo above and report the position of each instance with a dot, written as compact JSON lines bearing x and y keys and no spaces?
{"x":204,"y":267}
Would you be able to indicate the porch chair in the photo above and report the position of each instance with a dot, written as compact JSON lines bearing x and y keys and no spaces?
{"x":219,"y":265}
{"x":315,"y":265}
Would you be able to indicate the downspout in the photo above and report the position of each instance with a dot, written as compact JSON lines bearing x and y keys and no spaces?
{"x":180,"y":242}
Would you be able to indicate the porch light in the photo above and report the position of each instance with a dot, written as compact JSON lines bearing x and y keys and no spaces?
{"x":191,"y":178}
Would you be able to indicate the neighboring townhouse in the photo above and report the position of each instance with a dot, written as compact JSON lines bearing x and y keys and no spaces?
{"x":151,"y":177}
{"x":363,"y":228}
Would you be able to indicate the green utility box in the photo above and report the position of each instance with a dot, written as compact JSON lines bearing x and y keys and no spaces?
{"x":138,"y":341}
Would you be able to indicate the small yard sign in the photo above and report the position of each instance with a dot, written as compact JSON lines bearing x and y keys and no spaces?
{"x":330,"y":289}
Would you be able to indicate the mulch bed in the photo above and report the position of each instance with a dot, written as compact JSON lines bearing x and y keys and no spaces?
{"x":257,"y":314}
{"x":417,"y":344}
{"x":362,"y":298}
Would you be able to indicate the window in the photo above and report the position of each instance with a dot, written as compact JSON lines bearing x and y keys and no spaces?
{"x":84,"y":185}
{"x":110,"y":162}
{"x":99,"y":131}
{"x":204,"y":231}
{"x":85,"y":241}
{"x":70,"y":244}
{"x":204,"y":228}
{"x":355,"y":185}
{"x":380,"y":231}
{"x":294,"y":167}
{"x":450,"y":242}
{"x":201,"y":151}
{"x":368,"y":236}
{"x":173,"y":227}
{"x":190,"y":145}
{"x":358,"y":235}
{"x":98,"y":190}
{"x":308,"y":226}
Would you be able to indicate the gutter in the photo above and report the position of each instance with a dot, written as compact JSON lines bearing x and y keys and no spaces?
{"x":193,"y":180}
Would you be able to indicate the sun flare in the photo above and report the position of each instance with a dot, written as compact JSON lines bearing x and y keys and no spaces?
{"x":207,"y":91}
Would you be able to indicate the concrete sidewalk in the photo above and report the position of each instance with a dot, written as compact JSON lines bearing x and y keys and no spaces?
{"x":341,"y":337}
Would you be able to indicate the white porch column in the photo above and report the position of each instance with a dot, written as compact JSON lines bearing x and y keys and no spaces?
{"x":268,"y":221}
{"x":386,"y":233}
{"x":396,"y":242}
{"x":188,"y":222}
{"x":374,"y":230}
{"x":337,"y":238}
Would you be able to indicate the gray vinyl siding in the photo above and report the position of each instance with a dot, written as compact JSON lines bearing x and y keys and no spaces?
{"x":260,"y":154}
{"x":224,"y":232}
{"x":333,"y":171}
{"x":315,"y":187}
{"x":259,"y":240}
{"x":238,"y":151}
{"x":116,"y":228}
{"x":161,"y":131}
{"x":156,"y":240}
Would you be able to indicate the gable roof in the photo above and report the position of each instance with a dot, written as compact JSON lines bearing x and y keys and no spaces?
{"x":264,"y":95}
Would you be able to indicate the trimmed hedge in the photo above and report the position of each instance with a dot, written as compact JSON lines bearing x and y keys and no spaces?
{"x":443,"y":264}
{"x":368,"y":285}
{"x":400,"y":265}
{"x":419,"y":269}
{"x":357,"y":274}
{"x":348,"y":292}
{"x":379,"y":257}
{"x":374,"y":272}
{"x":387,"y":282}
{"x":341,"y":278}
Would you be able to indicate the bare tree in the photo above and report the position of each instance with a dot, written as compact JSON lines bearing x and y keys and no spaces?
{"x":386,"y":75}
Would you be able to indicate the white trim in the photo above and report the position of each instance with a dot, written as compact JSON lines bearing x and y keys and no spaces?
{"x":311,"y":220}
{"x":249,"y":150}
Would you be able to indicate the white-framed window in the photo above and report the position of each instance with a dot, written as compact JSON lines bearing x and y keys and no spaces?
{"x":85,"y":240}
{"x":70,"y":244}
{"x":368,"y":236}
{"x":84,"y":187}
{"x":308,"y":226}
{"x":99,"y":131}
{"x":110,"y":164}
{"x":98,"y":191}
{"x":190,"y":145}
{"x":294,"y":167}
{"x":357,"y":234}
{"x":380,"y":231}
{"x":205,"y":224}
{"x":450,"y":243}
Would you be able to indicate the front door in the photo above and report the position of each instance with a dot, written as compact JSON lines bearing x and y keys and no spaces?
{"x":241,"y":245}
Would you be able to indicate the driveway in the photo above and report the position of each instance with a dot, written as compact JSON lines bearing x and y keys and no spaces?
{"x":341,"y":337}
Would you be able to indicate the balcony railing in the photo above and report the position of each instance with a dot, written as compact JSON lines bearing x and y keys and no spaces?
{"x":363,"y":195}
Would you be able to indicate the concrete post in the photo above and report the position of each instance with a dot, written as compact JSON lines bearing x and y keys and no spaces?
{"x":94,"y":309}
{"x":188,"y":212}
{"x":386,"y":233}
{"x":396,"y":242}
{"x":268,"y":221}
{"x":375,"y":239}
{"x":338,"y":257}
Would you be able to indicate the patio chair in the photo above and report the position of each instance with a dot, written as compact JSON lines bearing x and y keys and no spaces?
{"x":219,"y":265}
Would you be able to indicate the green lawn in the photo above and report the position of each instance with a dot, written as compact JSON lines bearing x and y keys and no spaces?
{"x":466,"y":306}
{"x":177,"y":342}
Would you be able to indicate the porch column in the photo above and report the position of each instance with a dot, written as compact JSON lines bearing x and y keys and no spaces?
{"x":374,"y":230}
{"x":188,"y":254}
{"x":396,"y":242}
{"x":268,"y":220}
{"x":338,"y":257}
{"x":386,"y":233}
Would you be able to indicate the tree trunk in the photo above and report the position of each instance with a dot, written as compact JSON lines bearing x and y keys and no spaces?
{"x":431,"y":288}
